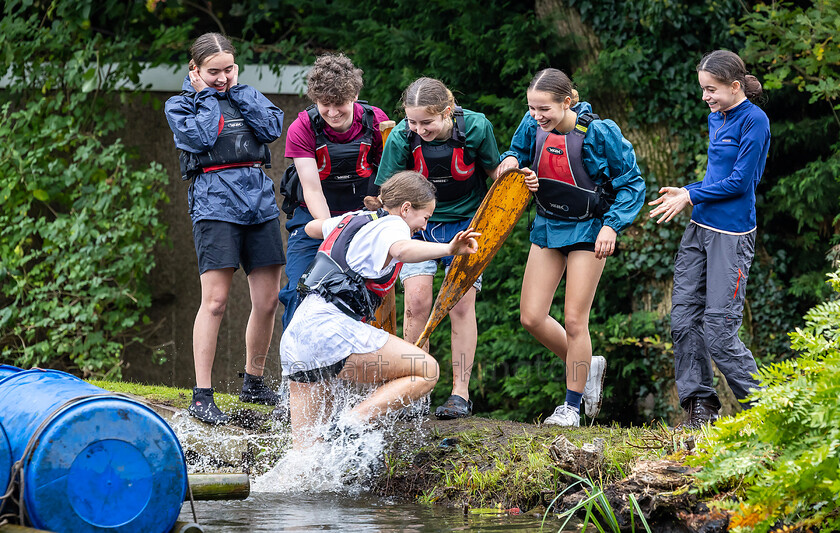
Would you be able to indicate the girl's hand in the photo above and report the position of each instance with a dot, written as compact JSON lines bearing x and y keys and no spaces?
{"x":507,"y":163}
{"x":195,"y":80}
{"x":531,"y":180}
{"x":605,"y":243}
{"x":464,"y":243}
{"x":672,"y":201}
{"x":233,"y":79}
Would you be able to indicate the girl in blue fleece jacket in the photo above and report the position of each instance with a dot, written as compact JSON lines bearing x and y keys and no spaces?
{"x":588,"y":188}
{"x":713,"y":262}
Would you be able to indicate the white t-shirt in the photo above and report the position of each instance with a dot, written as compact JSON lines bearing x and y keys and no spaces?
{"x":319,"y":334}
{"x":369,"y":248}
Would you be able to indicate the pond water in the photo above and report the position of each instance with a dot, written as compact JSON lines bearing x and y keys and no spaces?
{"x":290,"y":512}
{"x":324,"y":486}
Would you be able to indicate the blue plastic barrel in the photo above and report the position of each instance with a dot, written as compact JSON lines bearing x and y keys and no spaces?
{"x":98,"y":462}
{"x":8,"y":370}
{"x":5,"y":448}
{"x":5,"y":461}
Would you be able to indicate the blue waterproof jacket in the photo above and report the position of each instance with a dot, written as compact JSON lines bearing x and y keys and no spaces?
{"x":239,"y":195}
{"x":607,"y":156}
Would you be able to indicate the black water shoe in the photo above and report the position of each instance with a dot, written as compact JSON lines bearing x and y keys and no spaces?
{"x":700,"y":411}
{"x":204,"y":408}
{"x":254,"y":390}
{"x":454,"y":407}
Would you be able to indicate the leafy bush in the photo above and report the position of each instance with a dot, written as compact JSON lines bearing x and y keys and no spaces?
{"x":784,"y":452}
{"x":78,"y":223}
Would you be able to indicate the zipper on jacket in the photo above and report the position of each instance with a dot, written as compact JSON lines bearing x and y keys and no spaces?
{"x":722,"y":125}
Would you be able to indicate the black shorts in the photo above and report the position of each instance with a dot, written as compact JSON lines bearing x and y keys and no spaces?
{"x":221,"y":244}
{"x":318,"y":374}
{"x":585,"y":246}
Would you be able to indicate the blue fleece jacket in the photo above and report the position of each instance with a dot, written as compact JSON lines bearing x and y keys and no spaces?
{"x":607,"y":156}
{"x":237,"y":195}
{"x":738,"y":143}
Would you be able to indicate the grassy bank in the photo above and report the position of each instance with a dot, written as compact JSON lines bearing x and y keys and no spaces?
{"x":482,"y":464}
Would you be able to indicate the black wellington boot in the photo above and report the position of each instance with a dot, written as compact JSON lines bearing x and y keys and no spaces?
{"x":204,"y":408}
{"x":254,"y":390}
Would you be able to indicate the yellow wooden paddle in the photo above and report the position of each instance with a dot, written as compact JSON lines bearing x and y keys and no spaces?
{"x":495,"y":218}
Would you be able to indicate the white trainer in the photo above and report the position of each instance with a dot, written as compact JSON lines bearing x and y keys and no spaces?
{"x":564,"y":415}
{"x":594,"y":389}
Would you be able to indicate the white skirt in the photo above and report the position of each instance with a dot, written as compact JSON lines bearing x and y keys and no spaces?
{"x":320,"y":335}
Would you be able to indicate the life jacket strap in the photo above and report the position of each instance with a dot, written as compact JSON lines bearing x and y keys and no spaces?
{"x":232,"y":165}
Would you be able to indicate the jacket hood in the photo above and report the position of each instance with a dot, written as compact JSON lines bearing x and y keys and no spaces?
{"x":187,"y":86}
{"x":582,"y":107}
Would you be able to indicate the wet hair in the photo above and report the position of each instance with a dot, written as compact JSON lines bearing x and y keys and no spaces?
{"x":208,"y":45}
{"x":406,"y":186}
{"x":556,"y":83}
{"x":726,"y":67}
{"x":334,"y":80}
{"x":428,"y":93}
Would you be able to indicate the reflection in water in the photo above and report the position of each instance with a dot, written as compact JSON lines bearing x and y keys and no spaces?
{"x":331,"y":511}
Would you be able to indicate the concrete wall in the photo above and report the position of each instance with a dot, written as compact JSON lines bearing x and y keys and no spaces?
{"x":175,"y":283}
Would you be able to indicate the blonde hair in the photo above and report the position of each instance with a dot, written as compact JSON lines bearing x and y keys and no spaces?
{"x":405,"y":186}
{"x":556,"y":83}
{"x":428,"y":93}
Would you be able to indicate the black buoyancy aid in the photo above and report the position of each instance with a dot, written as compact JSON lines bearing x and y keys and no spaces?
{"x":330,"y":276}
{"x":566,"y":191}
{"x":344,"y":168}
{"x":236,"y":146}
{"x":448,"y":165}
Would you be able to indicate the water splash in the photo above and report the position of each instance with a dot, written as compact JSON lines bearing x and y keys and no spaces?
{"x":226,"y":448}
{"x":346,"y":455}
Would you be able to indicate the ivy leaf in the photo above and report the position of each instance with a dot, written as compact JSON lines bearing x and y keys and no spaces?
{"x":90,"y":80}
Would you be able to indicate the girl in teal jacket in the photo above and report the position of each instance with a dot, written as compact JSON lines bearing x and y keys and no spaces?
{"x":588,"y":189}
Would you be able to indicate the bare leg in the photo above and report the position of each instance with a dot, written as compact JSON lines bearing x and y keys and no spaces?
{"x":308,"y":403}
{"x":464,"y":340}
{"x":582,"y":276}
{"x":543,"y":272}
{"x":264,"y":285}
{"x":406,"y":372}
{"x":215,"y":285}
{"x":418,"y":307}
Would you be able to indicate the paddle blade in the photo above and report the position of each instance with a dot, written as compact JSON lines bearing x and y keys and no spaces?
{"x":386,"y":314}
{"x":495,"y":218}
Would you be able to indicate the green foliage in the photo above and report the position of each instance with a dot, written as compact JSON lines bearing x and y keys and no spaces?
{"x":797,"y":45}
{"x":485,"y":51}
{"x":785,"y":451}
{"x":78,"y":223}
{"x":66,"y":53}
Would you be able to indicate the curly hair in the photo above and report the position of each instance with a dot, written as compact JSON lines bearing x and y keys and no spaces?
{"x":334,"y":80}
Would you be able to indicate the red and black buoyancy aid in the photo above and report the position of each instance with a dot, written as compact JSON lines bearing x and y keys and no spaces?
{"x":344,"y":168}
{"x":236,"y":146}
{"x":448,"y":165}
{"x":566,"y":191}
{"x":330,"y":276}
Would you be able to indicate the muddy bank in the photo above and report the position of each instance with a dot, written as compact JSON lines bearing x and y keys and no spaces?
{"x":483,"y":463}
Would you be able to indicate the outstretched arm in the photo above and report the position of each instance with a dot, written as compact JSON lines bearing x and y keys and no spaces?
{"x":315,"y":228}
{"x":414,"y":251}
